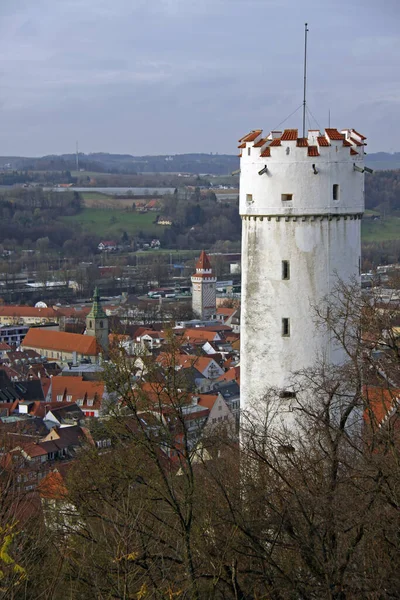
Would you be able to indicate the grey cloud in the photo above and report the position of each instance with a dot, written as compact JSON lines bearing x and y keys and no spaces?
{"x":190,"y":75}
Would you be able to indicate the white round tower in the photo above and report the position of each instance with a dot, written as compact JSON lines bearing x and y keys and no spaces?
{"x":301,"y":203}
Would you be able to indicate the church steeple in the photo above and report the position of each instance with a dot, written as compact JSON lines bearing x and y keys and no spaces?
{"x":97,"y":322}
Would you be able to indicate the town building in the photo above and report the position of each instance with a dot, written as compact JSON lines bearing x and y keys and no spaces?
{"x":204,"y":288}
{"x":61,"y":346}
{"x":301,"y":203}
{"x":27,"y":315}
{"x":73,"y":347}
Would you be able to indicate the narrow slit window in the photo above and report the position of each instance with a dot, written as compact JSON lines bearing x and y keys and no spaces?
{"x":285,"y":327}
{"x":248,"y":151}
{"x":285,"y":269}
{"x":287,"y":394}
{"x":335,"y":191}
{"x":287,"y":197}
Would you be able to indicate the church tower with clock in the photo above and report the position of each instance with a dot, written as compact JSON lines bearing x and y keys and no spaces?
{"x":97,"y":322}
{"x":204,"y":282}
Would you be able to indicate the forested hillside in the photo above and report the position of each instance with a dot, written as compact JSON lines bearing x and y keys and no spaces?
{"x":382,"y":191}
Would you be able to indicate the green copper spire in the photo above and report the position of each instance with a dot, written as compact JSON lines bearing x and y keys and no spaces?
{"x":97,"y":311}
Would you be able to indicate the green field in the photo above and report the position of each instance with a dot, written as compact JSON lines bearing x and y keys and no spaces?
{"x":94,"y":196}
{"x":107,"y":223}
{"x":382,"y":230}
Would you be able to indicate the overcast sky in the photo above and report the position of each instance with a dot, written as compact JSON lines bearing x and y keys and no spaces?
{"x":174,"y":76}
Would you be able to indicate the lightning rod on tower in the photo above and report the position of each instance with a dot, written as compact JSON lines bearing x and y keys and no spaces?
{"x":305,"y":78}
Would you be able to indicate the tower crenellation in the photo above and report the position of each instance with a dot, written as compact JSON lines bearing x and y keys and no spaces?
{"x":301,"y":203}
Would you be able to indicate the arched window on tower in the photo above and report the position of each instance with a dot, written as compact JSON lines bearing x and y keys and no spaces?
{"x":90,"y":325}
{"x":101,"y":324}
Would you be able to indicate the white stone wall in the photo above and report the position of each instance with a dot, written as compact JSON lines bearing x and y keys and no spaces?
{"x":319,"y":236}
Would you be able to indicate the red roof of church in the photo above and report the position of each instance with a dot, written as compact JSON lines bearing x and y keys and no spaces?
{"x":61,"y":341}
{"x":203,"y":262}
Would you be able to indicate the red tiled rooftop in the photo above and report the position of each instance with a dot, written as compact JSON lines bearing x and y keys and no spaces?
{"x":313,"y":151}
{"x":356,"y":142}
{"x":265,"y":153}
{"x":346,"y":143}
{"x":322,"y":141}
{"x":78,"y":389}
{"x":222,"y":310}
{"x":260,"y":143}
{"x":275,"y":142}
{"x":207,"y":400}
{"x":250,"y":137}
{"x":380,"y":401}
{"x":53,"y":486}
{"x":27,"y":311}
{"x":289,"y":134}
{"x":353,"y":152}
{"x":242,"y":145}
{"x":61,"y":341}
{"x":334,"y":134}
{"x":302,"y":142}
{"x":203,"y":262}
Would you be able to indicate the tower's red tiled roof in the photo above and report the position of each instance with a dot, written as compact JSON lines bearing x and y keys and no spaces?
{"x":265,"y":153}
{"x":242,"y":145}
{"x":353,"y":152}
{"x":322,"y":141}
{"x":302,"y":142}
{"x":333,"y":134}
{"x":346,"y":143}
{"x":289,"y":134}
{"x":260,"y":143}
{"x":313,"y":151}
{"x":250,"y":137}
{"x":276,"y":142}
{"x":204,"y":262}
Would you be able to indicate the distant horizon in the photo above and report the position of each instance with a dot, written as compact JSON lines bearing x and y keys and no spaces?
{"x":390,"y":153}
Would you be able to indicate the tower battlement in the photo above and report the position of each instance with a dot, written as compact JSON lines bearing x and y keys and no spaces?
{"x":301,"y":203}
{"x":283,"y":174}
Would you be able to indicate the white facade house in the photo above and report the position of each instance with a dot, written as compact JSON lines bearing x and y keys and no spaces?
{"x":204,"y":297}
{"x":301,"y":203}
